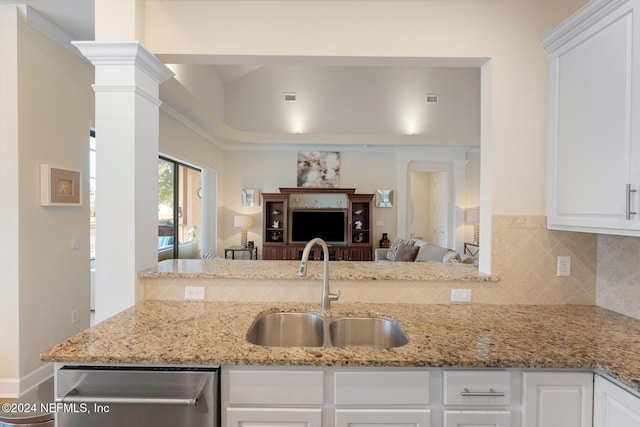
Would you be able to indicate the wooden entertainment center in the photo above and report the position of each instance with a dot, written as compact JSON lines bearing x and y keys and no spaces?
{"x":355,"y":245}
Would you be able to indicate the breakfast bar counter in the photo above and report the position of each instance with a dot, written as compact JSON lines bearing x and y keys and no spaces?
{"x":440,"y":335}
{"x":338,"y":270}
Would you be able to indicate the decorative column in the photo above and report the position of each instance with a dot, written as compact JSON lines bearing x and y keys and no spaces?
{"x":402,"y":170}
{"x":459,"y":202}
{"x":127,"y":80}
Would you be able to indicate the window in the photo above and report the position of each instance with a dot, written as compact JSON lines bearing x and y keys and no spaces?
{"x":179,"y":210}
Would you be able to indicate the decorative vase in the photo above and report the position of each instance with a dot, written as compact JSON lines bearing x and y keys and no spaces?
{"x":385,"y":242}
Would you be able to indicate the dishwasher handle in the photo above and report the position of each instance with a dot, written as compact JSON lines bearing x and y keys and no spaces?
{"x":178,"y":401}
{"x":74,"y":396}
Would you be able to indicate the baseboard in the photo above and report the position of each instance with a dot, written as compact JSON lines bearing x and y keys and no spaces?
{"x":11,"y":388}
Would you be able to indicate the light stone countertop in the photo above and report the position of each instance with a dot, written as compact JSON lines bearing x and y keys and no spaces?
{"x":338,"y":270}
{"x":448,"y":335}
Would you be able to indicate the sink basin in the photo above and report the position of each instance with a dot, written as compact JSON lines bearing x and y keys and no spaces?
{"x":308,"y":330}
{"x":287,"y":330}
{"x":366,"y":331}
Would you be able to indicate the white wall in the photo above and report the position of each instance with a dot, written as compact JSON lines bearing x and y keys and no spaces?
{"x":364,"y":170}
{"x":507,"y":32}
{"x":181,"y":142}
{"x":349,"y":99}
{"x":54,"y":107}
{"x":204,"y":84}
{"x":9,"y":226}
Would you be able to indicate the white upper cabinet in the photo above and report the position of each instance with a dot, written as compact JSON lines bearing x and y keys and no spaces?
{"x":593,"y":168}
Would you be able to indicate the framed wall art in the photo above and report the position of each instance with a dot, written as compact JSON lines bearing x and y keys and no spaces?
{"x":250,"y":197}
{"x":60,"y":187}
{"x":318,"y":169}
{"x":384,"y":198}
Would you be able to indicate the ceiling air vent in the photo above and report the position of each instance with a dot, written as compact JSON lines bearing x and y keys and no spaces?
{"x":432,"y":98}
{"x":289,"y":97}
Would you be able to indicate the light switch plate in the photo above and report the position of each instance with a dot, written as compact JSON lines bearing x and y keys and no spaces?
{"x":460,"y":295}
{"x":194,"y":292}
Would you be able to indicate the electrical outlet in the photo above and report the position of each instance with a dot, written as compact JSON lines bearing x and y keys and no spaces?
{"x":194,"y":292}
{"x":460,"y":295}
{"x":75,"y":315}
{"x":564,"y":266}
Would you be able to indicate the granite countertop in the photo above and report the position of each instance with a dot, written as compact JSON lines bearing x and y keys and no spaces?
{"x":448,"y":335}
{"x":338,"y":270}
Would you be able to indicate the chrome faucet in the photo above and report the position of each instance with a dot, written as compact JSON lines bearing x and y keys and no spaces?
{"x":327,"y":296}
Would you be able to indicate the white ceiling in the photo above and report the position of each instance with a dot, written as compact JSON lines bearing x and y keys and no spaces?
{"x":261,"y":111}
{"x":75,"y":17}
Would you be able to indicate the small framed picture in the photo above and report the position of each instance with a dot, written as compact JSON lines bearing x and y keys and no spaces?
{"x":60,"y":187}
{"x":384,"y":198}
{"x":250,"y":197}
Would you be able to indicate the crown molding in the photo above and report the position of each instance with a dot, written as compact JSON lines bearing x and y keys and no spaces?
{"x":124,"y":53}
{"x":38,"y":22}
{"x":580,"y":21}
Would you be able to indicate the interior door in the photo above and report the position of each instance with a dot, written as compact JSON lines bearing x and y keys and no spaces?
{"x":440,"y":209}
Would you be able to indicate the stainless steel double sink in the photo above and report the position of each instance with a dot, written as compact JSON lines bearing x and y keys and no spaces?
{"x":293,"y":329}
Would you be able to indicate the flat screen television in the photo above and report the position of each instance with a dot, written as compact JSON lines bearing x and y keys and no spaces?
{"x":329,"y":225}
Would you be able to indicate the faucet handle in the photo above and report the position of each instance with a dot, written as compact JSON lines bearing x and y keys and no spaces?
{"x":334,"y":297}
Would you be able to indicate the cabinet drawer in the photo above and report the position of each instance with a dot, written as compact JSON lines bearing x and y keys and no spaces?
{"x":384,"y":388}
{"x":488,"y":388}
{"x":270,"y":417}
{"x":477,"y":418}
{"x":383,"y":418}
{"x":276,"y":387}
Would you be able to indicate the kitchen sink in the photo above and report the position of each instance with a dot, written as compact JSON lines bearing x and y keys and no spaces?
{"x":311,"y":330}
{"x":366,"y":332}
{"x":287,"y":330}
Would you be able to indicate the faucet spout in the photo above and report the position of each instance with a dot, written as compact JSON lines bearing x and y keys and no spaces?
{"x":327,"y":296}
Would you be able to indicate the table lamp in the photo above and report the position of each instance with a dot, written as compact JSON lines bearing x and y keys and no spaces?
{"x":473,"y":217}
{"x":243,"y":222}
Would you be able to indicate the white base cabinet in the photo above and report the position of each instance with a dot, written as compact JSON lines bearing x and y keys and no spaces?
{"x":418,"y":397}
{"x":613,"y":406}
{"x":557,"y":399}
{"x":383,"y":418}
{"x":270,"y":417}
{"x":477,"y":418}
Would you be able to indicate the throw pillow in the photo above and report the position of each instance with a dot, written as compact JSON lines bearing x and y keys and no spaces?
{"x":406,"y":253}
{"x":452,"y":257}
{"x":431,"y":253}
{"x":393,"y":249}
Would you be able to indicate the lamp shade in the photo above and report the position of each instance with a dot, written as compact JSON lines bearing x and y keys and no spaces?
{"x":242,"y":221}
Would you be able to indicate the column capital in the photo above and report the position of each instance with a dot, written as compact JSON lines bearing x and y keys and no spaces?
{"x":124,"y":53}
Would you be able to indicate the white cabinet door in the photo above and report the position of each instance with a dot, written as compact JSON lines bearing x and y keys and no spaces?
{"x":477,"y":419}
{"x":593,"y":141}
{"x":557,"y":399}
{"x":613,"y":406}
{"x":383,"y":418}
{"x":272,"y":417}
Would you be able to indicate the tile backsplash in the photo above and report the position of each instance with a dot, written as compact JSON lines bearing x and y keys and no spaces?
{"x":618,"y":280}
{"x":524,"y":257}
{"x":525,"y":254}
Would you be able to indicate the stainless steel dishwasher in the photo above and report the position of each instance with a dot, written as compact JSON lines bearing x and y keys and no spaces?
{"x":136,"y":396}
